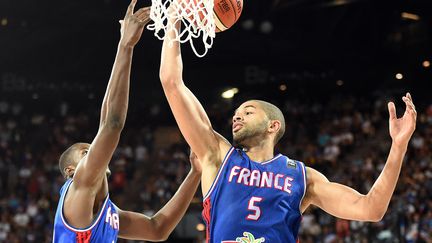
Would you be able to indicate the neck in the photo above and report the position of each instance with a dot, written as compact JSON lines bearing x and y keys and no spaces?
{"x":261,"y":152}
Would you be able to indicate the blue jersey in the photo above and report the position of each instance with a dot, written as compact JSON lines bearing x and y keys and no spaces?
{"x":255,"y":202}
{"x":104,"y":228}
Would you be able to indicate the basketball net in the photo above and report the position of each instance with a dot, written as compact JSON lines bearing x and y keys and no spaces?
{"x":196,"y":17}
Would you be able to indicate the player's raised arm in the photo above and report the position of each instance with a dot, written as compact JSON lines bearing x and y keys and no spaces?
{"x":344,"y":202}
{"x":188,"y":112}
{"x":137,"y":226}
{"x":92,"y":170}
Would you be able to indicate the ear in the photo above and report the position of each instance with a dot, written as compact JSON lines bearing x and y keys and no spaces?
{"x":274,"y":127}
{"x":69,"y":171}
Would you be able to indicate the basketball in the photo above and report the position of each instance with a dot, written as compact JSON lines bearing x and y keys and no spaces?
{"x":226,"y":13}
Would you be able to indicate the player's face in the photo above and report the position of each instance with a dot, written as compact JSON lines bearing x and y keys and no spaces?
{"x":249,"y":121}
{"x":82,"y":153}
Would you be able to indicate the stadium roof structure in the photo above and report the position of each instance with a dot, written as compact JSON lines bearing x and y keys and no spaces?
{"x":296,"y":39}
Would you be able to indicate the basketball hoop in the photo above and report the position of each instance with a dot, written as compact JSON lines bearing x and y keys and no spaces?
{"x":196,"y":17}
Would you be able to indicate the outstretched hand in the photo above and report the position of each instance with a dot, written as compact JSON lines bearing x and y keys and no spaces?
{"x":132,"y":26}
{"x":401,"y":129}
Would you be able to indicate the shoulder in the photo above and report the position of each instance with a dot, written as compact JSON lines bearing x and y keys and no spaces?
{"x":313,"y":181}
{"x":314,"y":176}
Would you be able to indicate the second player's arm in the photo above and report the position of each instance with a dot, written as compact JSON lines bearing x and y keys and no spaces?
{"x":115,"y":103}
{"x":344,"y":202}
{"x":89,"y":176}
{"x":111,"y":124}
{"x":187,"y":110}
{"x":136,"y":226}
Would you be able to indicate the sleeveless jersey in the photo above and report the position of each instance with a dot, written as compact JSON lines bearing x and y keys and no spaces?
{"x":255,"y":202}
{"x":104,"y":228}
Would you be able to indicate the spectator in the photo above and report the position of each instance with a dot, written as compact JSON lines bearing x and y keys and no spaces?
{"x":343,"y":143}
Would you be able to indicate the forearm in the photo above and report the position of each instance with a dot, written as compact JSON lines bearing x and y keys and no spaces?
{"x":115,"y":103}
{"x":381,"y":192}
{"x":171,"y":61}
{"x":188,"y":112}
{"x":168,"y":217}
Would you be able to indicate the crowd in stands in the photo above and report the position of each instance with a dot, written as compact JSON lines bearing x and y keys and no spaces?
{"x":344,"y":137}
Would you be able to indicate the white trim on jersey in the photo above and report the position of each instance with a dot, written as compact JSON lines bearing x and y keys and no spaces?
{"x":87,"y":228}
{"x":268,"y":161}
{"x":304,"y":183}
{"x":219,"y":172}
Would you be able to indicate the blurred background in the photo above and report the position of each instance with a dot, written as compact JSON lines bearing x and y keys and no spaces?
{"x":330,"y":65}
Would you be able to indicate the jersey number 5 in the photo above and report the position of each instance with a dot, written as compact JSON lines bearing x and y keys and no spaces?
{"x":255,"y":209}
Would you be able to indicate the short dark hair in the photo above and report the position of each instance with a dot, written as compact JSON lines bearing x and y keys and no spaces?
{"x":67,"y":159}
{"x":273,"y":113}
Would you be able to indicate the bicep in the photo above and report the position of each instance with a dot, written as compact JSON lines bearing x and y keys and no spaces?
{"x":336,"y":199}
{"x":93,"y":167}
{"x":136,"y":226}
{"x":192,"y":120}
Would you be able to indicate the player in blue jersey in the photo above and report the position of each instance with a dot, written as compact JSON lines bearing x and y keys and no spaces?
{"x":85,"y":212}
{"x":251,"y":195}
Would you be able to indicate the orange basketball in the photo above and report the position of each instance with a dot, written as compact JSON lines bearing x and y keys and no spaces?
{"x":226,"y":13}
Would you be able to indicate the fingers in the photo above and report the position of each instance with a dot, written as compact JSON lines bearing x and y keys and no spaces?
{"x":143,"y":15}
{"x":409,"y":96}
{"x":410,"y":107}
{"x":410,"y":101}
{"x":392,"y":110}
{"x":131,"y":8}
{"x":142,"y":12}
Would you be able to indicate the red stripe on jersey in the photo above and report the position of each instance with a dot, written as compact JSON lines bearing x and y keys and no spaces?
{"x":206,"y":216}
{"x":83,"y":237}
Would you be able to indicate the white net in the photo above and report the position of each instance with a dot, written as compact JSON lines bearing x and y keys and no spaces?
{"x":196,"y":17}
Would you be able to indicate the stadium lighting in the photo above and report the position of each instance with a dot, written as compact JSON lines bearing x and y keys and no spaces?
{"x":228,"y":94}
{"x":4,"y":21}
{"x":283,"y":87}
{"x":266,"y":27}
{"x":426,"y":64}
{"x":399,"y":76}
{"x":200,"y":227}
{"x":410,"y":16}
{"x":248,"y":24}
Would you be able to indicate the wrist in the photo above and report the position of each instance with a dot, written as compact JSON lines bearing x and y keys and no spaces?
{"x":194,"y":172}
{"x":125,"y":45}
{"x":399,"y":147}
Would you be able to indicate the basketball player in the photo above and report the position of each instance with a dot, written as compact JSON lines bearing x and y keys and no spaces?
{"x":252,"y":195}
{"x":85,"y":212}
